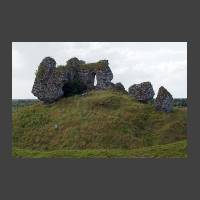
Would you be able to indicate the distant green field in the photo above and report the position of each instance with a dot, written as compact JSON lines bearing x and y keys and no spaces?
{"x":173,"y":150}
{"x":19,"y":103}
{"x":178,"y":102}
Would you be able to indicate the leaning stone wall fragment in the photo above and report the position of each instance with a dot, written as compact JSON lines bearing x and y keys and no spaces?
{"x":164,"y":100}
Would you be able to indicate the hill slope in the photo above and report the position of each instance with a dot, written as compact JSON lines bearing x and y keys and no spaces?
{"x":98,"y":120}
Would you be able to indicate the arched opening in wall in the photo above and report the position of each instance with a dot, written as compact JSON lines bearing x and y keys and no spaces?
{"x":95,"y":80}
{"x":73,"y":87}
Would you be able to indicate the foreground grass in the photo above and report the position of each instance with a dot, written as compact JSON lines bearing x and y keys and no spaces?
{"x":173,"y":150}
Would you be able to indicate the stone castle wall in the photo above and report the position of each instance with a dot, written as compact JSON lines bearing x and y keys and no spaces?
{"x":76,"y":77}
{"x":49,"y":81}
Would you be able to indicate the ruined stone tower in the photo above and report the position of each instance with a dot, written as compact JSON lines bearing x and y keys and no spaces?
{"x":53,"y":82}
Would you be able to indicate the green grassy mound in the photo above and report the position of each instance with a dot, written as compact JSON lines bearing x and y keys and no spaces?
{"x":173,"y":150}
{"x":99,"y":120}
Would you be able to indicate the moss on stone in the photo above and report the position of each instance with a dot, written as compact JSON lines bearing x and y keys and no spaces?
{"x":40,"y":72}
{"x":89,"y":66}
{"x":61,"y":68}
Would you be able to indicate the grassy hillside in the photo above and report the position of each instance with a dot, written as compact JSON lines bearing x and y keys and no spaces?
{"x":99,"y":120}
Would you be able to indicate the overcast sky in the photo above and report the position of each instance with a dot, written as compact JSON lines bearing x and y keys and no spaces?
{"x":161,"y":63}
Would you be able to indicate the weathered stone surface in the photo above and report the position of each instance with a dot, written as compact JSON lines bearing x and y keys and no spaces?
{"x":53,"y":82}
{"x":47,"y":85}
{"x":104,"y":75}
{"x":87,"y":76}
{"x":142,"y":92}
{"x":164,"y":100}
{"x":119,"y":87}
{"x":73,"y":62}
{"x":48,"y":62}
